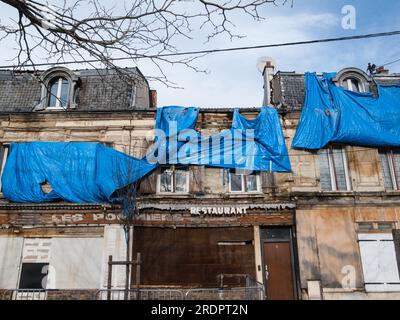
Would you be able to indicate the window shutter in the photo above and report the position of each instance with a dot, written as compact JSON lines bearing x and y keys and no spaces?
{"x":396,"y":163}
{"x":114,"y":245}
{"x":148,"y":184}
{"x":396,"y":240}
{"x":196,"y":174}
{"x":386,"y":170}
{"x":268,"y":182}
{"x":379,"y":262}
{"x":369,"y":250}
{"x":325,"y":175}
{"x":339,"y":168}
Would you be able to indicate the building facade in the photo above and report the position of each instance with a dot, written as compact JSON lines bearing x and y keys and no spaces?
{"x":347,"y":201}
{"x":325,"y":231}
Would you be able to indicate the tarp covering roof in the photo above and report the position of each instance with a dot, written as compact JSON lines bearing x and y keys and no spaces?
{"x":333,"y":114}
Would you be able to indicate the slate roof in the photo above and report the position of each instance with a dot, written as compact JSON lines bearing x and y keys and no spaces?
{"x":99,"y":90}
{"x":291,"y":87}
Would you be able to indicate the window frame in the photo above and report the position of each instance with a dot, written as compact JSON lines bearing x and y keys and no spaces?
{"x":243,"y":183}
{"x":58,"y":105}
{"x":388,"y":153}
{"x":73,"y":88}
{"x":332,"y":168}
{"x":173,"y":180}
{"x":349,"y":84}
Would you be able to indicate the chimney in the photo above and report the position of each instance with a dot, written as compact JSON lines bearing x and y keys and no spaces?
{"x":382,"y":70}
{"x":153,"y":99}
{"x":266,"y":66}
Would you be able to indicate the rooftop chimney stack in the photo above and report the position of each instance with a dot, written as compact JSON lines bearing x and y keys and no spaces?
{"x":382,"y":70}
{"x":266,"y":66}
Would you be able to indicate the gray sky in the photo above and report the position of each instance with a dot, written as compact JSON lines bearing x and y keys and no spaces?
{"x":233,"y":79}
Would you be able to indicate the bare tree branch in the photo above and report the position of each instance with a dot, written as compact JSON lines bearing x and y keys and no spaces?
{"x":136,"y":29}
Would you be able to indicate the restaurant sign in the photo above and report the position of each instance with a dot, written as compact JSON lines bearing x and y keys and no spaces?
{"x":218,"y":211}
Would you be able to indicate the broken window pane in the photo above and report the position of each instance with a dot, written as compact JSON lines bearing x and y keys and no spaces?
{"x":166,"y":180}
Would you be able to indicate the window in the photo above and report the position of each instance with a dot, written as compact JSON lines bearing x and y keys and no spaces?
{"x":390,"y":164}
{"x":353,"y":84}
{"x":174,"y":179}
{"x":33,"y":275}
{"x":58,"y":93}
{"x":379,"y":262}
{"x":333,"y":169}
{"x":244,"y":181}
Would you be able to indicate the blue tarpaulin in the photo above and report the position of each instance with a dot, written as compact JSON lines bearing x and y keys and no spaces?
{"x":80,"y":172}
{"x":256,"y":144}
{"x":333,"y":114}
{"x":84,"y":172}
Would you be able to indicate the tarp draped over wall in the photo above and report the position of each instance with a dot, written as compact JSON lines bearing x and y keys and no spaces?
{"x":256,"y":144}
{"x":80,"y":172}
{"x":83,"y":172}
{"x":333,"y":114}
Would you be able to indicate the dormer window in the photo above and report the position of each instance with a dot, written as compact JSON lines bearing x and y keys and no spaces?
{"x":353,"y":79}
{"x":59,"y":88}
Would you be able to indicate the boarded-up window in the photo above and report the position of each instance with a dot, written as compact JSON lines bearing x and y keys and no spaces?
{"x":77,"y":263}
{"x":193,"y":256}
{"x":268,"y":182}
{"x":390,"y":164}
{"x":333,"y":169}
{"x":379,"y":263}
{"x":10,"y":259}
{"x":196,"y":175}
{"x":148,"y":184}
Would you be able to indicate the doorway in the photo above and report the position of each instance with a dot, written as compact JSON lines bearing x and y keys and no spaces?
{"x":278,"y":262}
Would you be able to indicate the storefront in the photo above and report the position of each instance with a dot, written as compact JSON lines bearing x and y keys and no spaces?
{"x":188,"y":245}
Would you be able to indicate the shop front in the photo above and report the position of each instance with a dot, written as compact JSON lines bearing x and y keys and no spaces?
{"x":209,"y":245}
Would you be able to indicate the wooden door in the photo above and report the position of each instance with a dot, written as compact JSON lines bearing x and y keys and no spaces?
{"x":278,"y":271}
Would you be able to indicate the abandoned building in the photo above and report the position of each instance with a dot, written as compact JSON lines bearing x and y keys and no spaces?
{"x":326,"y":230}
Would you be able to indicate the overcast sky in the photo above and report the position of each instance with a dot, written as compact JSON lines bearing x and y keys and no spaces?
{"x":233,"y":79}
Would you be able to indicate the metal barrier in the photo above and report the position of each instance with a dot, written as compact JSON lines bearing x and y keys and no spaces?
{"x":140,"y":294}
{"x":252,"y":291}
{"x":240,"y":293}
{"x":24,"y":294}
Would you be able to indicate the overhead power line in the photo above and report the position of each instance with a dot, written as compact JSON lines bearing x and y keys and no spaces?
{"x":198,"y":52}
{"x":391,"y":62}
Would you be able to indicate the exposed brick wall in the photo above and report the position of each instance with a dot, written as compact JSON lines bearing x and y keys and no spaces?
{"x":72,"y":295}
{"x":50,"y":295}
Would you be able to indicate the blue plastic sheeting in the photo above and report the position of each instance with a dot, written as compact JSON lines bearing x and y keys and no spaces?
{"x":333,"y":114}
{"x":83,"y":172}
{"x":77,"y":172}
{"x":171,"y":121}
{"x":256,"y":144}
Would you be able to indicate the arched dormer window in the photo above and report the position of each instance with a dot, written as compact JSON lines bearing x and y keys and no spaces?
{"x":59,"y":89}
{"x":353,"y":79}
